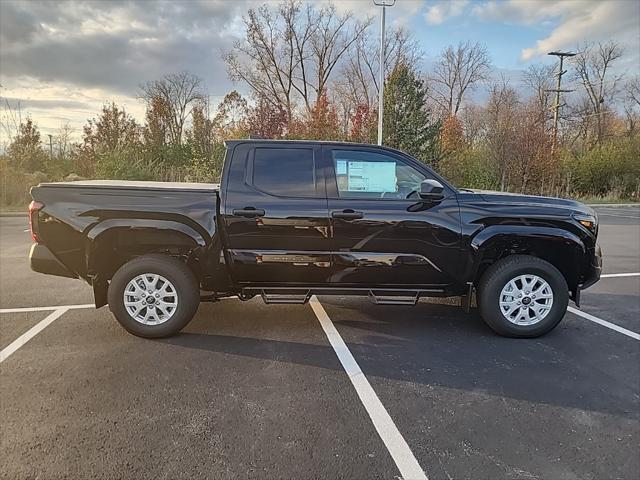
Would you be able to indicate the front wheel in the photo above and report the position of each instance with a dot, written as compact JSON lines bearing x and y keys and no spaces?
{"x":522,"y":296}
{"x":154,"y":296}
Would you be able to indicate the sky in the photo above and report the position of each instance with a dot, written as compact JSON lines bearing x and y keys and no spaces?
{"x":62,"y":60}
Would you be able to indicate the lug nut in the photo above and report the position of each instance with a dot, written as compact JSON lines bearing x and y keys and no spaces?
{"x":144,"y":295}
{"x":158,"y":295}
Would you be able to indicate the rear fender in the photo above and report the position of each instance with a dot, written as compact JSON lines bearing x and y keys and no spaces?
{"x":113,"y":242}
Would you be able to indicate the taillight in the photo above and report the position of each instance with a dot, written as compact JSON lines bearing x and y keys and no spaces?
{"x":34,"y":208}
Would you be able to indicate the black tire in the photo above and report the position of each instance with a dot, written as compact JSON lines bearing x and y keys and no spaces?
{"x":186,"y":289}
{"x":499,"y":274}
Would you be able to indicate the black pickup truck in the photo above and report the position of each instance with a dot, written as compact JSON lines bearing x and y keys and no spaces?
{"x":291,"y":219}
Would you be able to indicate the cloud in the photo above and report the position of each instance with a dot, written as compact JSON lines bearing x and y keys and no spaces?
{"x":64,"y":60}
{"x":575,"y":22}
{"x":443,"y":10}
{"x":116,"y":45}
{"x":16,"y":103}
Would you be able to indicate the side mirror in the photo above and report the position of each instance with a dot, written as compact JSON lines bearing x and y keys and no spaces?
{"x":431,"y":190}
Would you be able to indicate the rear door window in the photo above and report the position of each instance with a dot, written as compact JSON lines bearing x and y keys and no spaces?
{"x":285,"y":172}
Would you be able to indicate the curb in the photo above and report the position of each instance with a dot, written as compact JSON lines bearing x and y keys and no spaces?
{"x":614,"y":205}
{"x":14,"y":214}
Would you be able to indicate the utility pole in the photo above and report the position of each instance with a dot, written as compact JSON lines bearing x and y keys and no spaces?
{"x":50,"y":149}
{"x":558,"y":91}
{"x":384,"y":4}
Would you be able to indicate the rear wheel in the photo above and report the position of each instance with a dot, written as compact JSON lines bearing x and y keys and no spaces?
{"x":154,"y":296}
{"x":522,"y":296}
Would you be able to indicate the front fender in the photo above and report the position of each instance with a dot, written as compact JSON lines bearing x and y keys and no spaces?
{"x":561,"y":248}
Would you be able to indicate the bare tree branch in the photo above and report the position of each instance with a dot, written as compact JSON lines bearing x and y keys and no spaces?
{"x":456,"y":72}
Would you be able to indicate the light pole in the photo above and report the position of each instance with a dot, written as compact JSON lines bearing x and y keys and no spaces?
{"x":384,"y":4}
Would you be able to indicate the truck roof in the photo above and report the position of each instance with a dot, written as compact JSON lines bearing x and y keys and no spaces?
{"x":128,"y":184}
{"x":234,"y":142}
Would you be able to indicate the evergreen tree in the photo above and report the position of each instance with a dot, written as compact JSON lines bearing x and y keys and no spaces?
{"x":407,"y":123}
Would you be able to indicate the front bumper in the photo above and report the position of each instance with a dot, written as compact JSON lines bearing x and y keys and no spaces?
{"x":592,"y":275}
{"x":42,"y":260}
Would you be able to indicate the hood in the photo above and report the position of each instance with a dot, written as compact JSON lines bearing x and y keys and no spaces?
{"x":506,"y":197}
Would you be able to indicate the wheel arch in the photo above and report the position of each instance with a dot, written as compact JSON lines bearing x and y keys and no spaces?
{"x":113,"y":243}
{"x":561,"y":248}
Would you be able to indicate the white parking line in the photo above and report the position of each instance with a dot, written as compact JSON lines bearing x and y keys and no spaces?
{"x":618,"y":216}
{"x":604,"y":323}
{"x":46,"y":309}
{"x":396,"y":445}
{"x":29,"y":334}
{"x":614,"y":275}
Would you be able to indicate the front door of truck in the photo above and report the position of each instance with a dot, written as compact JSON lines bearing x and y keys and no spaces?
{"x":275,"y":216}
{"x":383,"y":233}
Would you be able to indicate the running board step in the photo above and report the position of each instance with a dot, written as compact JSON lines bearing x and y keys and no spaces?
{"x":401,"y":298}
{"x":285,"y":298}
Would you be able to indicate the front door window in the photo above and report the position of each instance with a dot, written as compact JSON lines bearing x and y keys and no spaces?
{"x":369,"y":175}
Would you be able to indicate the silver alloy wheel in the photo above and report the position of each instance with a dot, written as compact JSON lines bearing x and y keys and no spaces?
{"x":526,"y":299}
{"x":150,"y":299}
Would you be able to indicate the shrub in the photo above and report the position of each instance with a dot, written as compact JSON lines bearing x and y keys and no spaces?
{"x":611,"y":168}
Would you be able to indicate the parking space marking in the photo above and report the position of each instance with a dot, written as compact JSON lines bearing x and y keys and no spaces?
{"x":614,"y":275}
{"x":394,"y":441}
{"x":618,"y":216}
{"x":46,"y":309}
{"x":29,"y":334}
{"x":604,"y":323}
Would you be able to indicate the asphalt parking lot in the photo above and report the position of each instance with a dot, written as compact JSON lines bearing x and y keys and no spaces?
{"x":256,"y":391}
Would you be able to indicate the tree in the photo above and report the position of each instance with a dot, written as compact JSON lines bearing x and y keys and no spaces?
{"x":291,"y":54}
{"x":632,"y":89}
{"x":156,"y":131}
{"x":407,"y":123}
{"x":111,"y":133}
{"x":593,"y":68}
{"x":231,"y":117}
{"x":267,"y":120}
{"x":363,"y":124}
{"x":322,"y":123}
{"x":201,"y":135}
{"x":174,"y":96}
{"x":457,"y":72}
{"x":539,"y":79}
{"x":500,"y":119}
{"x":632,"y":104}
{"x":360,"y":74}
{"x":25,"y":151}
{"x":452,"y":136}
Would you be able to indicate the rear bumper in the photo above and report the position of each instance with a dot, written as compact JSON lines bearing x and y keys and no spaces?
{"x":592,"y":275}
{"x":42,"y":260}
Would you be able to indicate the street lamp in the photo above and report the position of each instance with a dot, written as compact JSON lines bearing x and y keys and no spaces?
{"x":384,"y":4}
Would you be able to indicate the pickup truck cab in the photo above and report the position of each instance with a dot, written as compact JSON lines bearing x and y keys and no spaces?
{"x":291,"y":219}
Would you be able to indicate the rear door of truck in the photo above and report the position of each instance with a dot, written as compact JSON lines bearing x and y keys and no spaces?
{"x":275,"y":215}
